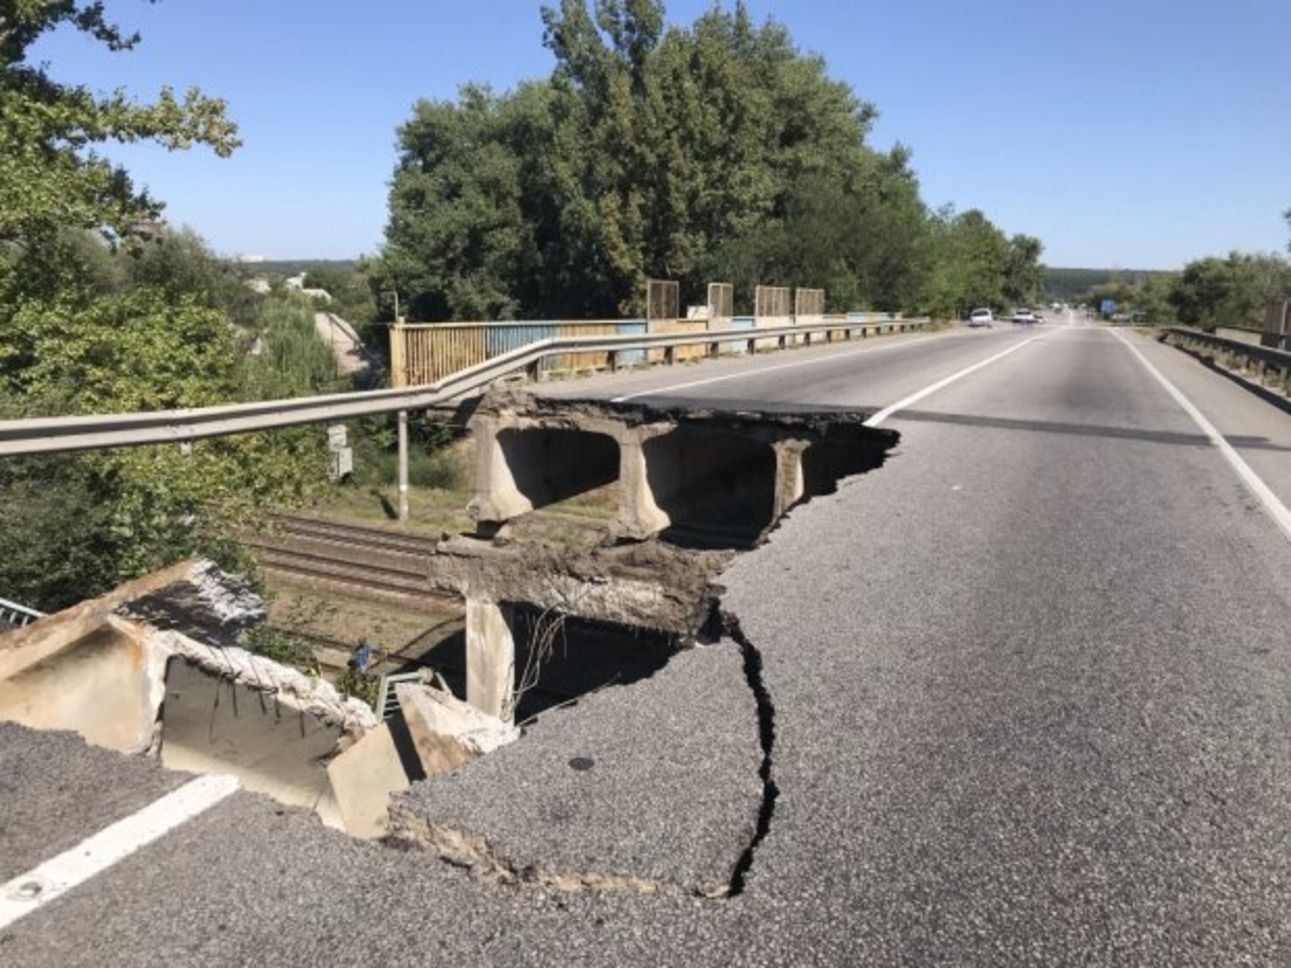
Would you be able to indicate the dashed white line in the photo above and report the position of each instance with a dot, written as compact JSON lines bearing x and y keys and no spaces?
{"x":1276,"y":509}
{"x":58,"y":875}
{"x":779,"y":366}
{"x":888,"y":411}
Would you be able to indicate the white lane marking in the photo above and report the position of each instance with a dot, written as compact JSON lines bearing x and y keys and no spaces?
{"x":58,"y":875}
{"x":1276,"y":509}
{"x":888,"y":411}
{"x":779,"y":366}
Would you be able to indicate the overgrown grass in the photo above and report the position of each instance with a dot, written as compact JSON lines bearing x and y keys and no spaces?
{"x":432,"y":462}
{"x":286,"y":357}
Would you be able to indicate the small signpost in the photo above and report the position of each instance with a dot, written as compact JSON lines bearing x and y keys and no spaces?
{"x":342,"y":464}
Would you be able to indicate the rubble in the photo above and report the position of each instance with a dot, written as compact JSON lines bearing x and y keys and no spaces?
{"x":447,"y":732}
{"x":104,"y":670}
{"x":362,"y":779}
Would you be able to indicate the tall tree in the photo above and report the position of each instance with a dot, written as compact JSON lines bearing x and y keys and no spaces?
{"x":50,"y":175}
{"x":714,"y":151}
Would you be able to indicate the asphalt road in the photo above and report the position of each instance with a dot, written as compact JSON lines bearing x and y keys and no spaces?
{"x":1030,"y":684}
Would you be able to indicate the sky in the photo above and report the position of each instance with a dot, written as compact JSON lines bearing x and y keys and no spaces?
{"x":1123,"y":133}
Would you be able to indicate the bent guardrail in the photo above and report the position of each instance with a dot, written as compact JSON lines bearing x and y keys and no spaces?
{"x":44,"y":435}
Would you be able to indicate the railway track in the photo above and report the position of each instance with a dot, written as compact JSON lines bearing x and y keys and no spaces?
{"x":378,"y":563}
{"x":366,"y":562}
{"x":358,"y":535}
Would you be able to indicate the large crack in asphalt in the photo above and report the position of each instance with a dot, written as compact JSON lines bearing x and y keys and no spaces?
{"x":477,"y":853}
{"x":766,"y":739}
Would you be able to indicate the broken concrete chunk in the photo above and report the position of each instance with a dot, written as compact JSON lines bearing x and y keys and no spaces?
{"x":104,"y":669}
{"x":104,"y":684}
{"x":446,"y":732}
{"x":363,"y":778}
{"x":205,"y":604}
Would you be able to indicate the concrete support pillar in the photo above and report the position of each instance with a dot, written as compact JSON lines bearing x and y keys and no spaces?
{"x":497,"y":498}
{"x":639,"y":515}
{"x":789,"y":481}
{"x":490,"y":659}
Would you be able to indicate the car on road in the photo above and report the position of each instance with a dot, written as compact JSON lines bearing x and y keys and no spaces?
{"x":1024,"y":315}
{"x":981,"y":317}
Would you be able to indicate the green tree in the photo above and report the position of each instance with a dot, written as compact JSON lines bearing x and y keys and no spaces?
{"x":1233,"y":291}
{"x":717,"y":151}
{"x":971,"y":261}
{"x":50,"y":176}
{"x":1023,"y":273}
{"x":96,"y":316}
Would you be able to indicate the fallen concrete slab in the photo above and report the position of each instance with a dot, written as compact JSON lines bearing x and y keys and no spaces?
{"x":446,"y":732}
{"x":362,"y":779}
{"x":104,"y":671}
{"x":654,"y":788}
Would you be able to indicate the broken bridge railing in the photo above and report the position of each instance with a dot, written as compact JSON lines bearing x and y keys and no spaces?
{"x":45,"y":435}
{"x":13,"y":615}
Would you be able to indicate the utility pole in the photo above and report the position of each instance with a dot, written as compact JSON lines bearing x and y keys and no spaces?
{"x":403,"y":465}
{"x":403,"y":436}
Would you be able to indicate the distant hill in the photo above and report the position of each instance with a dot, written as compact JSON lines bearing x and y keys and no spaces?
{"x":1064,"y":285}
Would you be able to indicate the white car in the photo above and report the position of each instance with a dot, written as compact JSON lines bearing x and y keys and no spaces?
{"x":981,"y":317}
{"x":1024,"y":316}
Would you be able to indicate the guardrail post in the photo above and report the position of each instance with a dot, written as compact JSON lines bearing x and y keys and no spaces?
{"x":807,"y":337}
{"x":781,"y":341}
{"x":533,"y":371}
{"x":612,"y":361}
{"x":669,"y":355}
{"x":752,"y":347}
{"x":714,"y":349}
{"x":403,"y":465}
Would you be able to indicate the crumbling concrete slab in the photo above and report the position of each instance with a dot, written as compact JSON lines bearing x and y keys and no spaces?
{"x":24,"y":647}
{"x":692,"y":474}
{"x":362,"y":779}
{"x":103,"y":685}
{"x":649,"y":788}
{"x":102,"y":669}
{"x":648,"y":584}
{"x":213,"y":725}
{"x":446,"y":732}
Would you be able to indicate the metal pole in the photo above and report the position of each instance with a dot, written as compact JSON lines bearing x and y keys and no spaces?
{"x":403,"y":465}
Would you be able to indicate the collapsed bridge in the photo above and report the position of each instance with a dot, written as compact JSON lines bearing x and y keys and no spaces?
{"x":691,"y":488}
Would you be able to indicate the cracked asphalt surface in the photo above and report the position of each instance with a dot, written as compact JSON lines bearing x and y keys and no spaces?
{"x":1030,"y":680}
{"x":679,"y":817}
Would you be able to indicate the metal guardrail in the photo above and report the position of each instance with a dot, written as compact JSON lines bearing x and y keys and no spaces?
{"x":45,"y":435}
{"x":1269,"y":355}
{"x":14,"y":615}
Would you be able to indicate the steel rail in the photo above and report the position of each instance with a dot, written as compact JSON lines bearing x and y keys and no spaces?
{"x":45,"y":435}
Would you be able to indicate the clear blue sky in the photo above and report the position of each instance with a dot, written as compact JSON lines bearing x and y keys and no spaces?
{"x":1132,"y":133}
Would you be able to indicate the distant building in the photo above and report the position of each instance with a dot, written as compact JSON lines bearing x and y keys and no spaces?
{"x":296,"y":283}
{"x":259,"y":285}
